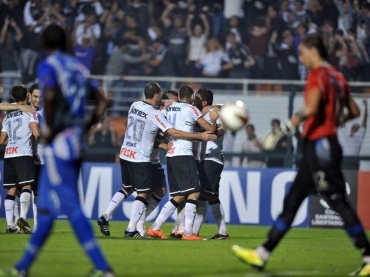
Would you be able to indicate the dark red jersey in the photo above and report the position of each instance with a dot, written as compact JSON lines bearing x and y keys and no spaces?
{"x":334,"y":90}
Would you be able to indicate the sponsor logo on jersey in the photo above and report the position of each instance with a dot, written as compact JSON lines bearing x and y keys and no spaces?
{"x":138,"y":113}
{"x":14,"y":114}
{"x":11,"y":150}
{"x":195,"y":110}
{"x":128,"y":153}
{"x":173,"y":109}
{"x":160,"y":121}
{"x":130,"y":144}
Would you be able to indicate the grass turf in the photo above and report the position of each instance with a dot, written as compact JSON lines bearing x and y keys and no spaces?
{"x":303,"y":252}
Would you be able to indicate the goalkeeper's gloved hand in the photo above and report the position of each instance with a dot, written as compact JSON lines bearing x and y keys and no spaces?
{"x":288,"y":128}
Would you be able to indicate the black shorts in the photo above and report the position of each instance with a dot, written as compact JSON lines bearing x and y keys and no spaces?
{"x":320,"y":168}
{"x":19,"y":171}
{"x":35,"y":185}
{"x":158,"y":176}
{"x":136,"y":176}
{"x":210,"y":176}
{"x":182,"y":175}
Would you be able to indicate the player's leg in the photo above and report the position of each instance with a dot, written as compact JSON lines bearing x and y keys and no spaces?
{"x":178,"y":227}
{"x":35,"y":194}
{"x":159,"y":187}
{"x":9,"y":183}
{"x":331,"y":185}
{"x":138,"y":175}
{"x":25,"y":171}
{"x":303,"y":184}
{"x":17,"y":205}
{"x":211,"y":185}
{"x":46,"y":216}
{"x":169,"y":208}
{"x":201,"y":211}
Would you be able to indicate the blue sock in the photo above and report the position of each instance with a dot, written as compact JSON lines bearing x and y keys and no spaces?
{"x":45,"y":222}
{"x":86,"y":238}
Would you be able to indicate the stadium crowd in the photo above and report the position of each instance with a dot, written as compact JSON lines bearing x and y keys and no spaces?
{"x":204,"y":38}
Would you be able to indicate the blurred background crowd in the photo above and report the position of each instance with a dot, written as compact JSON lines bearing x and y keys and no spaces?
{"x":200,"y":38}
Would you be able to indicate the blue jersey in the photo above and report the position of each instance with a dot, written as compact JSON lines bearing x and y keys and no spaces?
{"x":71,"y":83}
{"x":70,"y":79}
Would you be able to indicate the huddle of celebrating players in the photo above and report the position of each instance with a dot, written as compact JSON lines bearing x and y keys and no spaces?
{"x":186,"y":125}
{"x":22,"y":158}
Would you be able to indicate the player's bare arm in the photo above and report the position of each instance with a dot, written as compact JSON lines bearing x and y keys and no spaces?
{"x":35,"y":128}
{"x":3,"y":138}
{"x":364,"y":119}
{"x":14,"y":107}
{"x":197,"y":136}
{"x":102,"y":104}
{"x":353,"y":110}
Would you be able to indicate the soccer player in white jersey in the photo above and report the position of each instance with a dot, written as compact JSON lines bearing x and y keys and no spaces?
{"x":144,"y":120}
{"x":36,"y":103}
{"x":19,"y":170}
{"x":211,"y":166}
{"x":181,"y":167}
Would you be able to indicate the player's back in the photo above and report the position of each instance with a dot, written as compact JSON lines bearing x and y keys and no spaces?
{"x":142,"y":127}
{"x":334,"y":90}
{"x":17,"y":126}
{"x":182,"y":116}
{"x":71,"y":81}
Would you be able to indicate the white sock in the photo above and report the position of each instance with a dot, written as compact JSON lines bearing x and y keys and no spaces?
{"x":219,"y":216}
{"x":263,"y":253}
{"x":180,"y":220}
{"x":153,"y":204}
{"x":9,"y":211}
{"x":17,"y":206}
{"x":117,"y":199}
{"x":189,"y":211}
{"x":165,"y":213}
{"x":140,"y":225}
{"x":25,"y":200}
{"x":34,"y":209}
{"x":138,"y":208}
{"x":201,"y":213}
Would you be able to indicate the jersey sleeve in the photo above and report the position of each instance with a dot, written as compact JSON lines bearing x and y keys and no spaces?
{"x":161,"y":122}
{"x":47,"y":76}
{"x":34,"y":117}
{"x":316,"y":81}
{"x":195,"y":112}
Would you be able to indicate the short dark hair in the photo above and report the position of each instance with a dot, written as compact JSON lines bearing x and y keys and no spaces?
{"x":173,"y":92}
{"x":54,"y":37}
{"x":275,"y":120}
{"x":151,"y":89}
{"x":250,"y":126}
{"x":33,"y":87}
{"x":206,"y":94}
{"x":316,"y":41}
{"x":19,"y":92}
{"x":186,"y":92}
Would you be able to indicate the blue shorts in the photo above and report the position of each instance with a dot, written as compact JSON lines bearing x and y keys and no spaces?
{"x":58,"y":186}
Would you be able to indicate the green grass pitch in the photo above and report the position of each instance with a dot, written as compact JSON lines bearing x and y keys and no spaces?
{"x":303,"y":252}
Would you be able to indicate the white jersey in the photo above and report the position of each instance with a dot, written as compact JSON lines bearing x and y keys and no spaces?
{"x":17,"y":126}
{"x":40,"y":147}
{"x":142,"y":126}
{"x":213,"y":150}
{"x":183,"y":117}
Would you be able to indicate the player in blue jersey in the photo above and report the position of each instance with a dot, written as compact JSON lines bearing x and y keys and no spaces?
{"x":65,"y":86}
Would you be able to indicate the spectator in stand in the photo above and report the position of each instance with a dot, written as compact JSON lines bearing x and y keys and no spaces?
{"x":345,"y":10}
{"x":353,"y":139}
{"x":10,"y":38}
{"x":272,"y":70}
{"x":254,"y":10}
{"x":315,"y":12}
{"x":287,"y":57}
{"x":275,"y":142}
{"x":131,"y":30}
{"x":355,"y":59}
{"x":12,"y":9}
{"x":159,"y":61}
{"x":274,"y":21}
{"x":141,"y":13}
{"x":241,"y":59}
{"x":197,"y":38}
{"x":103,"y":135}
{"x":299,"y":15}
{"x":235,"y":28}
{"x":85,"y":51}
{"x":217,"y":11}
{"x":36,"y":15}
{"x":252,"y":145}
{"x":211,"y":61}
{"x":301,"y":32}
{"x":71,"y":10}
{"x":285,"y":12}
{"x":85,"y":28}
{"x":338,"y":50}
{"x":258,"y":43}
